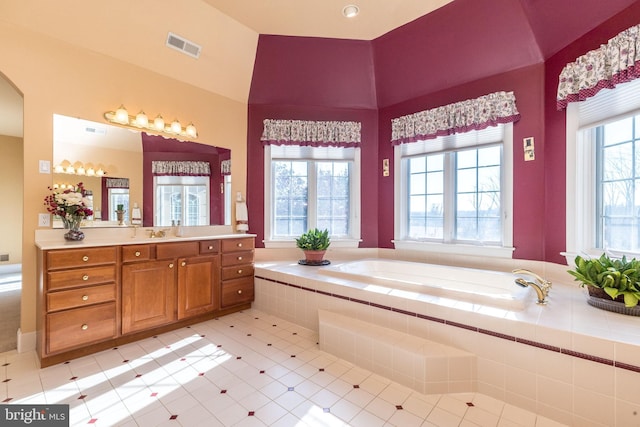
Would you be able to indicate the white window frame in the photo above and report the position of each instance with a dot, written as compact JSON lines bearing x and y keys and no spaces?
{"x":581,"y":118}
{"x":181,"y":181}
{"x":354,"y":219}
{"x":401,"y":197}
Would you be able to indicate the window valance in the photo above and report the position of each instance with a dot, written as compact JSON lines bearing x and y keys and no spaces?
{"x":605,"y":67}
{"x":180,"y":168}
{"x":225,"y":167}
{"x":116,"y":182}
{"x":311,"y":133}
{"x":464,"y":116}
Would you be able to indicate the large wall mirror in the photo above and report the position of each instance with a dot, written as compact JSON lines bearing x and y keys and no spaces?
{"x":160,"y":181}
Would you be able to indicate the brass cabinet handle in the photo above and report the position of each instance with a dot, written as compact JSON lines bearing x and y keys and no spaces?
{"x":85,"y":258}
{"x":85,"y":297}
{"x":210,"y":247}
{"x":137,"y":253}
{"x":85,"y":277}
{"x":239,"y":291}
{"x":171,"y":265}
{"x":84,"y":327}
{"x":239,"y":258}
{"x":184,"y":263}
{"x":239,"y":245}
{"x":239,"y":271}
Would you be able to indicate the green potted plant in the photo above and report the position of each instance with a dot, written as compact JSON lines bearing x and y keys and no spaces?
{"x":314,"y":244}
{"x":610,"y":280}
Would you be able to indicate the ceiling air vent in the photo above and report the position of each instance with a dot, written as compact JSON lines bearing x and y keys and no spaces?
{"x":95,"y":130}
{"x":183,"y":45}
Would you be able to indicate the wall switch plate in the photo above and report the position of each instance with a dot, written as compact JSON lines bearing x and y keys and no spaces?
{"x":529,"y":149}
{"x":385,"y":167}
{"x":44,"y":220}
{"x":45,"y":166}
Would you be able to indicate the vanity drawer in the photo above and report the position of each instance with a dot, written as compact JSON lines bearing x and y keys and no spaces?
{"x":132,"y":253}
{"x":81,"y":277}
{"x":237,"y":258}
{"x":236,"y":271}
{"x":235,"y":245}
{"x":177,"y":250}
{"x":71,"y":258}
{"x":209,"y":246}
{"x":80,"y":326}
{"x":237,"y":291}
{"x":63,"y":300}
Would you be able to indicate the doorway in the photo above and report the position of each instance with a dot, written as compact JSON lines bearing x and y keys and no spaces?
{"x":11,"y":189}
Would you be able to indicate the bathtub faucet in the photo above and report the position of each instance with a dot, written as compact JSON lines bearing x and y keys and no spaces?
{"x":541,"y":287}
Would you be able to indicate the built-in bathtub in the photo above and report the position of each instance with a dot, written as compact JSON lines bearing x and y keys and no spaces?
{"x":485,"y":287}
{"x":565,"y":360}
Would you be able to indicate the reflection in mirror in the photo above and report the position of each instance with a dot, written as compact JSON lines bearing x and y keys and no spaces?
{"x":117,"y":166}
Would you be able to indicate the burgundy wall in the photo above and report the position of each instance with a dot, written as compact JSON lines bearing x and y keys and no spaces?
{"x":463,"y":50}
{"x":528,"y":177}
{"x":555,"y":123}
{"x":156,"y":147}
{"x":464,"y":41}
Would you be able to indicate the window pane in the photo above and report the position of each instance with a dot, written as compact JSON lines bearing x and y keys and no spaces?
{"x":426,"y":186}
{"x":618,"y":195}
{"x":289,"y":197}
{"x":620,"y":131}
{"x":333,"y":197}
{"x":477,"y":215}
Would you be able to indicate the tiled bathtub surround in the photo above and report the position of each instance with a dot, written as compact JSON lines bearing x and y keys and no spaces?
{"x":567,"y":360}
{"x":248,"y":369}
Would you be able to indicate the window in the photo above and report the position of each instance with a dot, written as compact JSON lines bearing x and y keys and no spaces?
{"x":455,"y":191}
{"x":311,"y":187}
{"x":118,"y":196}
{"x":603,"y":173}
{"x":183,"y":199}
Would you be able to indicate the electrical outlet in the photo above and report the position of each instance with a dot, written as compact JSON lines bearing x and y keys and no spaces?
{"x":44,"y":220}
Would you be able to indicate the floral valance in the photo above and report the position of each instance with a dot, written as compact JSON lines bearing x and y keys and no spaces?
{"x":225,"y":167}
{"x":311,"y":133}
{"x":180,"y":168}
{"x":464,"y":116}
{"x":116,"y":182}
{"x":605,"y":67}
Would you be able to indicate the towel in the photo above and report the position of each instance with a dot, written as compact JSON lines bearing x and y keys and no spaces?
{"x":242,"y":217}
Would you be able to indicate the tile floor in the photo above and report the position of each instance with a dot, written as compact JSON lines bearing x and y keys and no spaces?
{"x":245,"y":369}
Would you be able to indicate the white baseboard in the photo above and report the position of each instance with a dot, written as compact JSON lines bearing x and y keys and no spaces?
{"x":26,"y":341}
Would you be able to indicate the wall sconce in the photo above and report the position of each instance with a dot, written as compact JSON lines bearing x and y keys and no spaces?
{"x":141,"y":121}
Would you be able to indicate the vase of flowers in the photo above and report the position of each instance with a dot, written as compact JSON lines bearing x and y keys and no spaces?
{"x":72,"y":206}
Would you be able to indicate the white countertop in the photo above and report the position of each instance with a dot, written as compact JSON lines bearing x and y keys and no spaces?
{"x":47,"y":239}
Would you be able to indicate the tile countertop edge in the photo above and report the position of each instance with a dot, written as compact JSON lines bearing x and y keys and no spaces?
{"x":54,"y":239}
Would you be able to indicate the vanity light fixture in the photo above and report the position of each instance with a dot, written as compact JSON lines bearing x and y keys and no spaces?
{"x":350,"y":11}
{"x":83,"y":170}
{"x":158,"y":125}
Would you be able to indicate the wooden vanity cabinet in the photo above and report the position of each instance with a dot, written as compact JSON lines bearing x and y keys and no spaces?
{"x":80,"y":298}
{"x":148,"y":294}
{"x":98,"y":297}
{"x":237,"y":271}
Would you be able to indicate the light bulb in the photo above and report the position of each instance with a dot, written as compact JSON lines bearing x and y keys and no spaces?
{"x":191,"y":130}
{"x":122,"y":115}
{"x":158,"y":123}
{"x":99,"y":172}
{"x":142,"y":120}
{"x":59,"y":169}
{"x":91,"y":172}
{"x":176,"y":127}
{"x":70,"y":169}
{"x":80,"y":171}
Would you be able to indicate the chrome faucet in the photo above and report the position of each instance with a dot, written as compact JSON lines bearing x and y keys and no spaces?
{"x":541,"y":287}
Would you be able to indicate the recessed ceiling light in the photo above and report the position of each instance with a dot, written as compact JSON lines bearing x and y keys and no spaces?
{"x":350,"y":11}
